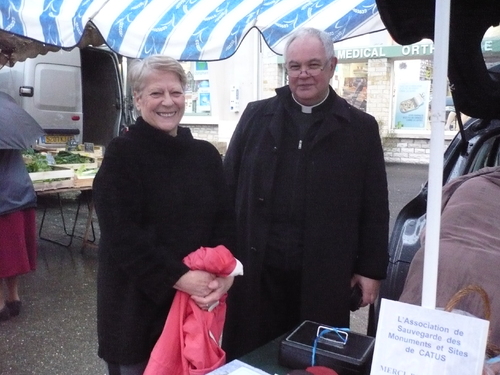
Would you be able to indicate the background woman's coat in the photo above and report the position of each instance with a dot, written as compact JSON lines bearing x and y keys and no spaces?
{"x":469,"y":246}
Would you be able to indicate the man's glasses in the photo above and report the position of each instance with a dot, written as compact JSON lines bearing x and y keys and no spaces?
{"x":313,"y":70}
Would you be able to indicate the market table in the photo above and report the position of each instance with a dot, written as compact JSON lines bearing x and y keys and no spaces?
{"x":265,"y":358}
{"x":85,"y":198}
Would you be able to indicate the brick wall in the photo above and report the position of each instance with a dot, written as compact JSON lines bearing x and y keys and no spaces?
{"x":407,"y":150}
{"x":380,"y":93}
{"x":206,"y":132}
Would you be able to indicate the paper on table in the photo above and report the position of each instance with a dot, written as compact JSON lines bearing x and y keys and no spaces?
{"x":243,"y":371}
{"x":237,"y":367}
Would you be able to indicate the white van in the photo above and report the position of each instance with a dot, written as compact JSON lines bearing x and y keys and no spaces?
{"x":75,"y":94}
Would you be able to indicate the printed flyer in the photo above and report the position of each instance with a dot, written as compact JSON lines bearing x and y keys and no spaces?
{"x":412,"y":105}
{"x":413,"y":340}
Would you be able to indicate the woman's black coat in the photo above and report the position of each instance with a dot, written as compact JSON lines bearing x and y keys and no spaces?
{"x":157,"y":199}
{"x":347,"y":214}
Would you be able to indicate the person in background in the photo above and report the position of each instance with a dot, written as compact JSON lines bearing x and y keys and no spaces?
{"x":307,"y":178}
{"x":469,"y":247}
{"x":18,"y":246}
{"x":159,"y":195}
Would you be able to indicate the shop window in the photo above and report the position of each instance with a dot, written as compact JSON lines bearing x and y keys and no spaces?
{"x":412,"y":94}
{"x":350,"y":81}
{"x":198,"y":95}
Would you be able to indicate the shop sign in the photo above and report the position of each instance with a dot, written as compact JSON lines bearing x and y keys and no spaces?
{"x":489,"y":46}
{"x":385,"y":52}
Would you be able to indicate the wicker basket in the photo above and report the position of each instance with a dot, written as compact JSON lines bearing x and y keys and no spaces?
{"x":491,"y":349}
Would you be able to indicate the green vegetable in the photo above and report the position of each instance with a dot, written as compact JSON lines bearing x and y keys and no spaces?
{"x":82,"y":171}
{"x":65,"y":157}
{"x":35,"y":162}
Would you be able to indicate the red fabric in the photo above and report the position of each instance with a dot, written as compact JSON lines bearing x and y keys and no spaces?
{"x":321,"y":370}
{"x":18,"y":243}
{"x":190,"y":341}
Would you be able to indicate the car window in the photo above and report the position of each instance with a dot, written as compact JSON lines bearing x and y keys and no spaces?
{"x":488,"y":155}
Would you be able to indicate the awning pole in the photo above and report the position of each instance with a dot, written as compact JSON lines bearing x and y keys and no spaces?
{"x":438,"y":121}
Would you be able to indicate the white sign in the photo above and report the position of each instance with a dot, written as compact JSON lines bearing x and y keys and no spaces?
{"x":237,"y":367}
{"x":413,"y":340}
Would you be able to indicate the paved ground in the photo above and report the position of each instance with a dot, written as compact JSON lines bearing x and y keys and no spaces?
{"x":55,"y":333}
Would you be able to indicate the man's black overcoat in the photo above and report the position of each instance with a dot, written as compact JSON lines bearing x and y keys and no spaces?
{"x":347,"y":214}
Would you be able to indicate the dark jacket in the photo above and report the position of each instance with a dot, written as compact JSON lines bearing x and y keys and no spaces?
{"x":157,"y":198}
{"x":346,"y":208}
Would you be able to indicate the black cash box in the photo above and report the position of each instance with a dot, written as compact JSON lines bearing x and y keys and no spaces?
{"x":352,"y":358}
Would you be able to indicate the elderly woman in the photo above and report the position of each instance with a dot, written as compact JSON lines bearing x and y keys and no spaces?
{"x":159,"y":195}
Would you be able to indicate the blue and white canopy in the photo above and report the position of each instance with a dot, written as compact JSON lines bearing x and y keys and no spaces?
{"x":188,"y":30}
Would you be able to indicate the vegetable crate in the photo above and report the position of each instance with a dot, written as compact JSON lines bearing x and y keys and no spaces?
{"x":74,"y":160}
{"x":84,"y":176}
{"x":57,"y":178}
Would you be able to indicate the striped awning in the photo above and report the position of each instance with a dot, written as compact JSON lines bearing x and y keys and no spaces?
{"x":188,"y":30}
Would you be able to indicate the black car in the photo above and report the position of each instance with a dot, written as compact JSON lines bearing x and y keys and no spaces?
{"x":476,"y":93}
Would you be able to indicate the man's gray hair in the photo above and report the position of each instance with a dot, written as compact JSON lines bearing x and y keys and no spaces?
{"x":139,"y":69}
{"x":323,"y":36}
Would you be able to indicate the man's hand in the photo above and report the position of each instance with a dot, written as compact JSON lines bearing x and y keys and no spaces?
{"x":369,"y":287}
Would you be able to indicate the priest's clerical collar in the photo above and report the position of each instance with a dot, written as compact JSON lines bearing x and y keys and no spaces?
{"x":307,"y":108}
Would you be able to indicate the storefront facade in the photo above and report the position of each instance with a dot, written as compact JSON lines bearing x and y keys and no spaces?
{"x":399,"y":93}
{"x":391,"y":82}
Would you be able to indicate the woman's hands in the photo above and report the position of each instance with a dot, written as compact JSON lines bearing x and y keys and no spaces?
{"x":205,"y":288}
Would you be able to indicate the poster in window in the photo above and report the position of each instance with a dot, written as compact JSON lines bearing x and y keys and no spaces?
{"x":412,"y":105}
{"x":354,"y":91}
{"x":204,"y":97}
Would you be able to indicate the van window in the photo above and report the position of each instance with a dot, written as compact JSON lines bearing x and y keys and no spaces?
{"x":57,"y":88}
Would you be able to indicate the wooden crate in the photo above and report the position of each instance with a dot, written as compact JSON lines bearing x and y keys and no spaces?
{"x":97,"y":155}
{"x":57,"y":178}
{"x":98,"y":151}
{"x":79,"y":165}
{"x":87,"y":165}
{"x":86,"y":178}
{"x":80,"y":181}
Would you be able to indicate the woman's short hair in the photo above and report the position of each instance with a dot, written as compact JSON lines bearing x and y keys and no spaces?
{"x":323,"y":36}
{"x":139,"y":69}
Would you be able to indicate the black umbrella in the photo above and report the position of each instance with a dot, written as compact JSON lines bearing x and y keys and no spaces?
{"x":18,"y":130}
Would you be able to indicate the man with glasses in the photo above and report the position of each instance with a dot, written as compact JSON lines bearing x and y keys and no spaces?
{"x":307,"y":176}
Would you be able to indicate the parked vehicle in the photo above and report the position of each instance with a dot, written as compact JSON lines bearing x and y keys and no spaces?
{"x":476,"y":93}
{"x":74,"y":95}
